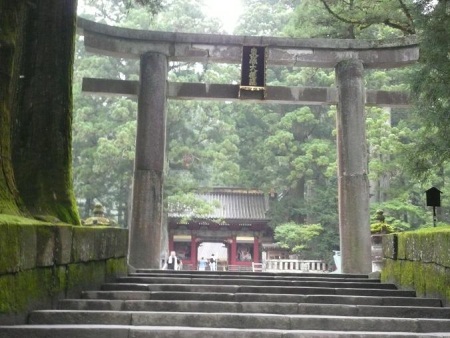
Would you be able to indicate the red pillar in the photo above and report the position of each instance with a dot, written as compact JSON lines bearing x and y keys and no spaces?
{"x":194,"y":252}
{"x":233,"y":250}
{"x":256,"y":249}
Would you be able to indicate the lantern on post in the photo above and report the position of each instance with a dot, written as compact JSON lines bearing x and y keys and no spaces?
{"x":433,"y":200}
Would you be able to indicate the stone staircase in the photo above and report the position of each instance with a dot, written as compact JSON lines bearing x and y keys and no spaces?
{"x":172,"y":304}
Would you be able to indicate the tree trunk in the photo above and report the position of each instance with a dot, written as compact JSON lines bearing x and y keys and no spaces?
{"x":10,"y":17}
{"x":297,"y":194}
{"x":42,"y":129}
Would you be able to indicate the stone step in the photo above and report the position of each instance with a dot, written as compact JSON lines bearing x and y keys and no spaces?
{"x":256,"y":282}
{"x":256,"y":289}
{"x":243,"y":297}
{"x":252,"y":274}
{"x":256,"y":307}
{"x":244,"y":305}
{"x":257,"y":277}
{"x":126,"y":331}
{"x":240,"y":321}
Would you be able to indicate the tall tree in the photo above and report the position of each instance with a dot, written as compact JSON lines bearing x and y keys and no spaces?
{"x":36,"y":49}
{"x":11,"y":17}
{"x":39,"y":152}
{"x":42,"y":113}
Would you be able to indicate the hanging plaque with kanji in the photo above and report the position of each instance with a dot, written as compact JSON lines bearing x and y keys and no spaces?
{"x":253,"y":72}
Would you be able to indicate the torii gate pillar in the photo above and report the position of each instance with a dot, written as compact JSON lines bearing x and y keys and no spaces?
{"x":353,"y":184}
{"x":147,"y":207}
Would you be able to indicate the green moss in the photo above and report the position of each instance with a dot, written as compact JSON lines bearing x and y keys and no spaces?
{"x":58,"y":284}
{"x":24,"y":287}
{"x":18,"y":292}
{"x":7,"y":296}
{"x":407,"y":274}
{"x":11,"y":219}
{"x":381,"y":228}
{"x":9,"y":249}
{"x":31,"y":286}
{"x":437,"y":279}
{"x":116,"y":267}
{"x":428,"y":280}
{"x":68,"y":212}
{"x":441,"y":246}
{"x":440,"y":229}
{"x":85,"y":275}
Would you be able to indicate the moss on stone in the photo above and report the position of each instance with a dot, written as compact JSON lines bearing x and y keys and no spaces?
{"x":19,"y":291}
{"x":437,"y":279}
{"x":116,"y":267}
{"x":85,"y":276}
{"x":423,"y":263}
{"x":24,"y":286}
{"x":407,"y":274}
{"x":9,"y":249}
{"x":7,"y":296}
{"x":441,"y":246}
{"x":15,"y":220}
{"x":58,"y":285}
{"x":31,"y":287}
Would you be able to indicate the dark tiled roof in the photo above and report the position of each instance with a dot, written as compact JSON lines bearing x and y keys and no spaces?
{"x":235,"y":203}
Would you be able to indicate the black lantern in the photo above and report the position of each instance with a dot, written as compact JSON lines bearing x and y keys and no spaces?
{"x":433,"y":197}
{"x":433,"y":200}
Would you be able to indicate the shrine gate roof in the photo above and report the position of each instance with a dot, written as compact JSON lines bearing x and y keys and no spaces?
{"x":233,"y":204}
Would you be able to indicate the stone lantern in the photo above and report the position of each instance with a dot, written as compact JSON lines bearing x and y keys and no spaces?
{"x":99,"y":217}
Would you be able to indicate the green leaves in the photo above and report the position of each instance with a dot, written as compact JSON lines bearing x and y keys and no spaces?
{"x":431,"y":85}
{"x":296,"y":237}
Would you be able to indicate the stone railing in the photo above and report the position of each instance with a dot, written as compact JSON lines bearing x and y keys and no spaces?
{"x":295,"y":265}
{"x":40,"y":264}
{"x":420,"y":261}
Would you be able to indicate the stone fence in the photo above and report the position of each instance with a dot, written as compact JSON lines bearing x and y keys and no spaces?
{"x":420,"y":261}
{"x":40,"y":264}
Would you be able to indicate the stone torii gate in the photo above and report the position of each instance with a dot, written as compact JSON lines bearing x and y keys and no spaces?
{"x":349,"y":58}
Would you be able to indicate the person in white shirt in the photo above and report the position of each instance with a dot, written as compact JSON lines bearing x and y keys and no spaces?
{"x":172,"y":261}
{"x":213,"y":263}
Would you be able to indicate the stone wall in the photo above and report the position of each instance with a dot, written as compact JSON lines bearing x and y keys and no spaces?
{"x":419,"y":260}
{"x":40,"y":264}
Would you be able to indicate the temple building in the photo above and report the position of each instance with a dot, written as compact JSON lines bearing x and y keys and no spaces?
{"x":239,"y":223}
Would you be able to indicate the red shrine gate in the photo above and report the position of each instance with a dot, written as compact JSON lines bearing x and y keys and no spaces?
{"x":239,"y":222}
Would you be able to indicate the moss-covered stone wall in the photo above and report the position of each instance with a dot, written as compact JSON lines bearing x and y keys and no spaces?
{"x":40,"y":264}
{"x":419,"y":260}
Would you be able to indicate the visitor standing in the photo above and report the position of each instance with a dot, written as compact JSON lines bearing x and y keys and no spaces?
{"x":172,"y":261}
{"x":213,"y":263}
{"x":202,"y":264}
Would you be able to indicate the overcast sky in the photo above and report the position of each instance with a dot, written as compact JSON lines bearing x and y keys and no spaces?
{"x":228,"y":11}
